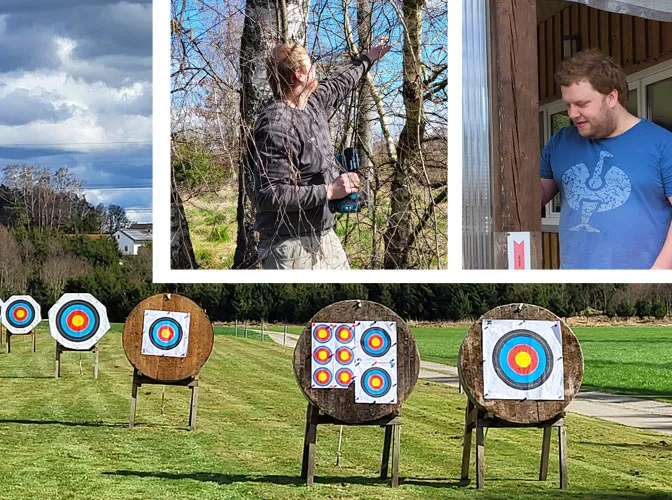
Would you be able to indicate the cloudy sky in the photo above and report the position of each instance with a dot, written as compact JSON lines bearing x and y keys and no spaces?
{"x":76,"y":92}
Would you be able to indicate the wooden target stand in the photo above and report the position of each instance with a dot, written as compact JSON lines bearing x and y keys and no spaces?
{"x":9,"y":335}
{"x":60,"y":349}
{"x":337,"y":406}
{"x":484,"y":413}
{"x":163,"y":370}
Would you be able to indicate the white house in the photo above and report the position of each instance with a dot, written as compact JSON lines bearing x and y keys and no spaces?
{"x":130,"y":240}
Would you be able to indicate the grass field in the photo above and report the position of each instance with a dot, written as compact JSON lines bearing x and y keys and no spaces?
{"x":634,"y":360}
{"x":68,"y":439}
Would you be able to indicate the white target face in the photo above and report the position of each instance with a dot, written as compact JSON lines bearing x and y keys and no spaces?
{"x":522,"y":360}
{"x":165,"y":333}
{"x":78,"y":321}
{"x":20,"y":314}
{"x":376,"y":362}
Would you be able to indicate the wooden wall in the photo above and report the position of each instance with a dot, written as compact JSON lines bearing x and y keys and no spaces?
{"x":634,"y":42}
{"x":551,"y":250}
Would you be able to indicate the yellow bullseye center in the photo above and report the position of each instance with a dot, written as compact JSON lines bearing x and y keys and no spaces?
{"x":20,"y":314}
{"x":375,"y":342}
{"x":164,"y":333}
{"x":322,"y":355}
{"x":376,"y":382}
{"x":78,"y":320}
{"x":322,"y":377}
{"x":523,"y":359}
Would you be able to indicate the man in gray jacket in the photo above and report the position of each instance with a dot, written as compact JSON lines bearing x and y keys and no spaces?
{"x":295,"y":171}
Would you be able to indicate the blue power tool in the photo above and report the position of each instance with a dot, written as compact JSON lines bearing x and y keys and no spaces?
{"x":348,"y":162}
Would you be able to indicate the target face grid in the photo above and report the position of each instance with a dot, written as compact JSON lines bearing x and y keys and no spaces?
{"x":20,"y":314}
{"x":78,"y":321}
{"x":165,"y":333}
{"x":376,"y":362}
{"x":522,"y":360}
{"x":332,"y":351}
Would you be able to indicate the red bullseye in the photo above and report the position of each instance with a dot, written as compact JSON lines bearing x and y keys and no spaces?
{"x":20,"y":313}
{"x":523,"y":359}
{"x":322,"y":355}
{"x":166,"y":333}
{"x":344,"y":333}
{"x":344,"y":377}
{"x":77,"y":321}
{"x":344,"y":355}
{"x":322,"y":333}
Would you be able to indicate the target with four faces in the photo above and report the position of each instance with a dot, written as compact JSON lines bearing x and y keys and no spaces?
{"x":522,"y":360}
{"x":20,"y":314}
{"x":165,"y":333}
{"x":78,"y":321}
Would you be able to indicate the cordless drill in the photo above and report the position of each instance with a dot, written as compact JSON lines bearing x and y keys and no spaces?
{"x":348,"y":162}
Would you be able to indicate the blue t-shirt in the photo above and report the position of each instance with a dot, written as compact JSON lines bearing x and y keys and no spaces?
{"x":614,"y":213}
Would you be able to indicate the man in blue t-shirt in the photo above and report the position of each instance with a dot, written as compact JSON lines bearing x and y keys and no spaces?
{"x":613,"y":171}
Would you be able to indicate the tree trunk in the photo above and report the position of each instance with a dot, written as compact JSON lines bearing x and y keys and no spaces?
{"x":181,"y":251}
{"x":265,"y":23}
{"x":397,"y":236}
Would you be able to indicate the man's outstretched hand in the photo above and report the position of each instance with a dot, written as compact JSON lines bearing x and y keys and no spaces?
{"x":378,"y":51}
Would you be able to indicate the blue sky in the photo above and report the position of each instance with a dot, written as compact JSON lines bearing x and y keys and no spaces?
{"x":76,"y":92}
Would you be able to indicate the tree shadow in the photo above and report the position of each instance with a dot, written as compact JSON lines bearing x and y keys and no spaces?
{"x":67,"y":424}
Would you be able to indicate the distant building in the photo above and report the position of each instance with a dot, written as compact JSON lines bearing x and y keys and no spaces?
{"x":130,"y":239}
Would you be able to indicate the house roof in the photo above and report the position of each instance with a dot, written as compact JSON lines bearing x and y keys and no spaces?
{"x":137,"y":235}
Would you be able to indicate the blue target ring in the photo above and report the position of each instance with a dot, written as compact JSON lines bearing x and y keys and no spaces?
{"x":375,"y":342}
{"x":165,"y":333}
{"x":20,"y":313}
{"x":77,"y":321}
{"x":535,"y":348}
{"x":376,"y":382}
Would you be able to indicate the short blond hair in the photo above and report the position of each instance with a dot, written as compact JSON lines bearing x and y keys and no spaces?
{"x":281,"y":64}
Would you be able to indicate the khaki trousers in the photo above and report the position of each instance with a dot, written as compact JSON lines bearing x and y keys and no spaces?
{"x":319,"y":251}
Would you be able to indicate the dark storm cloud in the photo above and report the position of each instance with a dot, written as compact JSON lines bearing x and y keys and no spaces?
{"x":100,"y":28}
{"x":20,"y":107}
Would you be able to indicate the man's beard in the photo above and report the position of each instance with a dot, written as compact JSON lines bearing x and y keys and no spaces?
{"x":604,"y":125}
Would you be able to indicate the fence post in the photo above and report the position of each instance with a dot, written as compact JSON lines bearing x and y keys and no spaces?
{"x":236,"y":331}
{"x":245,"y":334}
{"x":284,"y":337}
{"x":262,"y":330}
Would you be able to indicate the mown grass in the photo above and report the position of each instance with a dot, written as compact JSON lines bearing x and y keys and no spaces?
{"x":67,"y":438}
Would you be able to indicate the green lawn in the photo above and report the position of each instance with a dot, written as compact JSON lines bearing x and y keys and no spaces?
{"x":68,"y":439}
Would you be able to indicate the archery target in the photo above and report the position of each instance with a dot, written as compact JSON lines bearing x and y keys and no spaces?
{"x":165,"y":333}
{"x":377,"y":384}
{"x":522,"y":360}
{"x":377,"y":339}
{"x":20,"y":314}
{"x":78,"y":321}
{"x":332,"y":350}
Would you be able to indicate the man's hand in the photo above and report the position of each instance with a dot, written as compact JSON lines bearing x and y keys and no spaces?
{"x":378,"y":51}
{"x":342,"y":186}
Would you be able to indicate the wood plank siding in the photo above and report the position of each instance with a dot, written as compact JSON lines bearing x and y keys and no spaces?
{"x":634,"y":42}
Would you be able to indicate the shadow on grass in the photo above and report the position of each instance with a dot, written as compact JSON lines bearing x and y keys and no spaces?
{"x":635,"y":392}
{"x":27,"y":376}
{"x":58,"y":422}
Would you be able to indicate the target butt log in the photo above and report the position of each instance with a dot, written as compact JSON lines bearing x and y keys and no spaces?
{"x":340,"y":403}
{"x":470,"y":363}
{"x":163,"y":368}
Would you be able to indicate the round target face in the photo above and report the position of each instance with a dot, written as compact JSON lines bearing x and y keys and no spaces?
{"x":522,"y":359}
{"x":344,"y":377}
{"x":322,"y":377}
{"x":165,"y":333}
{"x":345,"y":333}
{"x":322,"y":333}
{"x":20,"y":314}
{"x":376,"y":382}
{"x":344,"y":355}
{"x":77,"y":321}
{"x":322,"y":355}
{"x":375,"y":342}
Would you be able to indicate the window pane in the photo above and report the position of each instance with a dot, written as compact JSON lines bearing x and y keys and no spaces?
{"x":559,"y":121}
{"x":659,"y":97}
{"x":632,"y":102}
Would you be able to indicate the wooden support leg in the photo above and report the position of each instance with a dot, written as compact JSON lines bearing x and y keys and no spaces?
{"x":8,"y":336}
{"x":95,"y":361}
{"x":308,"y":466}
{"x":134,"y":399}
{"x":384,"y":463}
{"x":562,"y":451}
{"x":194,"y":405}
{"x":396,"y":441}
{"x":545,"y":450}
{"x":466,"y":445}
{"x":480,"y":457}
{"x":33,"y":333}
{"x":58,"y":360}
